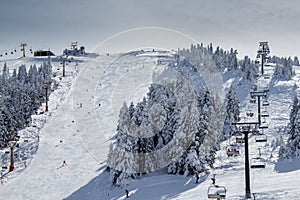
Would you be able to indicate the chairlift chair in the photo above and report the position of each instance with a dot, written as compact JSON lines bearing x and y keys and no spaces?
{"x":264,"y":114}
{"x":255,"y":132}
{"x":216,"y":192}
{"x":261,"y":138}
{"x":258,"y":162}
{"x":249,"y":114}
{"x":232,"y":151}
{"x":264,"y":126}
{"x":252,"y":100}
{"x":265,"y":103}
{"x":240,"y":139}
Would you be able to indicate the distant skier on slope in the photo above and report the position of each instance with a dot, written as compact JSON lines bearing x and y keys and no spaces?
{"x":127,"y":193}
{"x":197,"y":178}
{"x":64,"y":163}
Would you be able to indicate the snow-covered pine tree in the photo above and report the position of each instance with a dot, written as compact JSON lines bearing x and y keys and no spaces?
{"x":232,"y":112}
{"x":198,"y":154}
{"x":232,"y":63}
{"x":284,"y":69}
{"x":249,"y":68}
{"x":294,"y":110}
{"x":292,"y":148}
{"x":296,"y":61}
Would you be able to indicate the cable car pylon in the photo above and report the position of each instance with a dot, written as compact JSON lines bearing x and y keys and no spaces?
{"x":23,"y":45}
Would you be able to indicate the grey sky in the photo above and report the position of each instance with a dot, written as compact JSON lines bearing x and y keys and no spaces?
{"x":239,"y":24}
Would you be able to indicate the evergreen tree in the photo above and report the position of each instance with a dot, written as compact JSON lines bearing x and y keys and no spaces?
{"x":284,"y":70}
{"x":292,"y":148}
{"x":200,"y":153}
{"x":232,"y":112}
{"x":296,"y":61}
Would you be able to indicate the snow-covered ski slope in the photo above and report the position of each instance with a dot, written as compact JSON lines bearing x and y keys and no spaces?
{"x":82,"y":117}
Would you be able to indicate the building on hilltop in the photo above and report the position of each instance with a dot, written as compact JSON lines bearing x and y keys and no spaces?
{"x":74,"y":51}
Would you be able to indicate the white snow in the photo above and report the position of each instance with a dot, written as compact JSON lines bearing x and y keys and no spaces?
{"x":80,"y":136}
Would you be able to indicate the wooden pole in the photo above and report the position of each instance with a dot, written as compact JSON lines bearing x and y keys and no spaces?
{"x":12,"y":144}
{"x":11,"y":167}
{"x":63,"y":63}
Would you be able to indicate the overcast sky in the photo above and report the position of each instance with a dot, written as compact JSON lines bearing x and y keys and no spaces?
{"x":239,"y":24}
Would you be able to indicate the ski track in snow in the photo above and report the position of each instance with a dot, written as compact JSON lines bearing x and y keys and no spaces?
{"x":85,"y":131}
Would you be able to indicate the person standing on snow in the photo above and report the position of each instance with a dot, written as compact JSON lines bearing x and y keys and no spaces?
{"x":64,"y":163}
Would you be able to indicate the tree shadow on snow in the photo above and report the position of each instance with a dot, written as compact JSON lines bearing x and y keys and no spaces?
{"x":283,"y":166}
{"x":153,"y":186}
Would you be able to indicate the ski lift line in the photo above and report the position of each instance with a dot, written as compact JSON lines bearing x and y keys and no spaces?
{"x":14,"y":50}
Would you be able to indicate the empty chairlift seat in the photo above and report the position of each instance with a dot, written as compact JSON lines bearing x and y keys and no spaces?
{"x":261,"y":138}
{"x":264,"y":114}
{"x":258,"y":163}
{"x":216,"y":192}
{"x":264,"y":126}
{"x":265,"y":103}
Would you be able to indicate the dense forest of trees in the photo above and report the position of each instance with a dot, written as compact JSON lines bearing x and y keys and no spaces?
{"x":22,"y":93}
{"x":200,"y":154}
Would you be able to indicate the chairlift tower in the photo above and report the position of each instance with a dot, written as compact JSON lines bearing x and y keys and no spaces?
{"x":245,"y":128}
{"x":63,"y":62}
{"x":12,"y":144}
{"x":263,"y":53}
{"x":23,"y":45}
{"x":258,"y":95}
{"x":46,"y":87}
